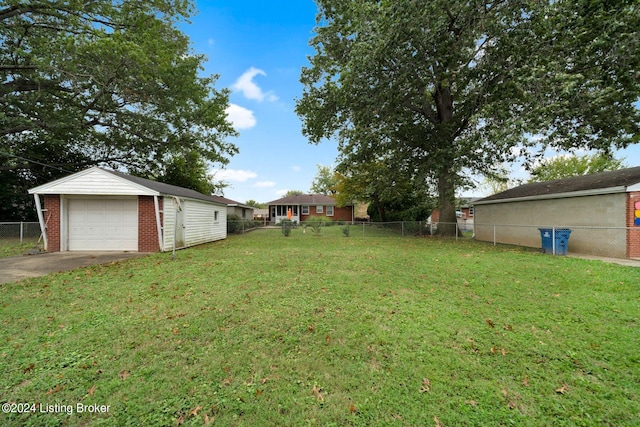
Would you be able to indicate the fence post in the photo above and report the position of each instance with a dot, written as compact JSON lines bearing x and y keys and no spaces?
{"x":494,"y":234}
{"x":242,"y":226}
{"x":21,"y":231}
{"x":456,"y":230}
{"x":553,"y":237}
{"x":362,"y":228}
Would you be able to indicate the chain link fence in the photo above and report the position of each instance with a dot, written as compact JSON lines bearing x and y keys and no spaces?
{"x":610,"y":242}
{"x":17,"y":234}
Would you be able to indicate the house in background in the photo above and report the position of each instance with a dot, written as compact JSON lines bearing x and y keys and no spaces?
{"x":244,"y":212}
{"x":464,"y":212}
{"x":102,"y":210}
{"x":304,"y":206}
{"x":603,"y":211}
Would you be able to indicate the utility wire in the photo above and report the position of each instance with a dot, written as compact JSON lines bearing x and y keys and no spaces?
{"x":35,"y":162}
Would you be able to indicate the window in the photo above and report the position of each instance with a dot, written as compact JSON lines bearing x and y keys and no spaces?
{"x":215,"y":216}
{"x":305,"y":210}
{"x":329,"y":210}
{"x":471,"y":211}
{"x":319,"y":209}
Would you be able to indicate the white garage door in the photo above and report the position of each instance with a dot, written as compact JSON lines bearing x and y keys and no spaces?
{"x":103,"y":224}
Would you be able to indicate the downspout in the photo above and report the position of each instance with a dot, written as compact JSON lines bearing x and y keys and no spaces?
{"x":158,"y":225}
{"x":178,"y":207}
{"x":43,"y":226}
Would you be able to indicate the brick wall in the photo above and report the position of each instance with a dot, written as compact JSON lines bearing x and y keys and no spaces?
{"x":339,"y":214}
{"x":147,"y":230}
{"x":633,"y":232}
{"x":52,"y":219}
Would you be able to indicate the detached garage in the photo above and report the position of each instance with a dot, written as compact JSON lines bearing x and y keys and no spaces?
{"x":103,"y":210}
{"x":603,"y":210}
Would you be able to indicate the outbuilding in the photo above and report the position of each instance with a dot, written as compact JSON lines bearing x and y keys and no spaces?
{"x":603,"y":211}
{"x":104,"y":210}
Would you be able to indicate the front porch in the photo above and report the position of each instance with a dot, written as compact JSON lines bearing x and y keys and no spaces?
{"x":280,"y":212}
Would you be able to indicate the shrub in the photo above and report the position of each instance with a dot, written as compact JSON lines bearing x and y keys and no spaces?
{"x":345,"y":230}
{"x":287,"y":225}
{"x":322,"y":221}
{"x":233,"y":223}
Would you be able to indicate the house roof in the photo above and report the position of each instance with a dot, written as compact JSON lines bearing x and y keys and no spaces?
{"x":305,"y":199}
{"x":599,"y":183}
{"x":231,"y":203}
{"x":84,"y":182}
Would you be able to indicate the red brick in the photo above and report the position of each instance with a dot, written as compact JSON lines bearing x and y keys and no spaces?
{"x":633,"y":231}
{"x":52,"y":221}
{"x":147,"y":229}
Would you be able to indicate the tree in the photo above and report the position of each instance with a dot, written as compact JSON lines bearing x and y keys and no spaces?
{"x":294,"y":193}
{"x":112,"y":83}
{"x":191,"y":171}
{"x":568,"y":166}
{"x":325,"y":181}
{"x":255,"y":204}
{"x":451,"y":87}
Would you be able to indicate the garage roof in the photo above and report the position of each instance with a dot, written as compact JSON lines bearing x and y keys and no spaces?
{"x":600,"y":183}
{"x":103,"y":182}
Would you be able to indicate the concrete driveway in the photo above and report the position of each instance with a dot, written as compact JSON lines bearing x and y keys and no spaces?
{"x":21,"y":267}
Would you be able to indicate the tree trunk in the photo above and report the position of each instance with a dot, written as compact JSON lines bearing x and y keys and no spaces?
{"x":448,"y":222}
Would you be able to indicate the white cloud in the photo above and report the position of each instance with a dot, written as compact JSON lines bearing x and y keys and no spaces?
{"x":282,"y":193}
{"x":233,"y":174}
{"x":296,"y":168}
{"x":240,"y":117}
{"x":249,"y":89}
{"x":264,"y":184}
{"x":211,"y":42}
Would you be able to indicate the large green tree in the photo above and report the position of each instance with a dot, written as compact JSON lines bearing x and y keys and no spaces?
{"x":454,"y":87}
{"x":325,"y":181}
{"x":568,"y":166}
{"x":103,"y":83}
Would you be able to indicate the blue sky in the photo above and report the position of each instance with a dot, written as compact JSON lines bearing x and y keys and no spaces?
{"x":258,"y":48}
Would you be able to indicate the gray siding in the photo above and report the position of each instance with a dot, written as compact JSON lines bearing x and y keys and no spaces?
{"x":517,"y":222}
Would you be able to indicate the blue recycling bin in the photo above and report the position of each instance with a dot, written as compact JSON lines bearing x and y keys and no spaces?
{"x":561,"y":240}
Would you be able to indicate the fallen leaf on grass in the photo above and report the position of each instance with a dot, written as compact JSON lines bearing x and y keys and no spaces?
{"x":490,"y":323}
{"x":54,"y":390}
{"x":317,"y":394}
{"x":437,"y":421}
{"x":310,"y":328}
{"x":92,"y":390}
{"x":28,"y":368}
{"x":180,"y":420}
{"x":426,"y":385}
{"x":525,"y":381}
{"x":352,"y":408}
{"x":563,"y":389}
{"x":194,"y":411}
{"x":123,"y":375}
{"x":328,"y":339}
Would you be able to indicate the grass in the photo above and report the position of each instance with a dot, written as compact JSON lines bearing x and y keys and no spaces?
{"x":12,"y":247}
{"x":263,"y":329}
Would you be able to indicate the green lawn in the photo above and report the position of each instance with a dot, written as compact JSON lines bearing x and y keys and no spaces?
{"x":12,"y":247}
{"x":263,"y":329}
